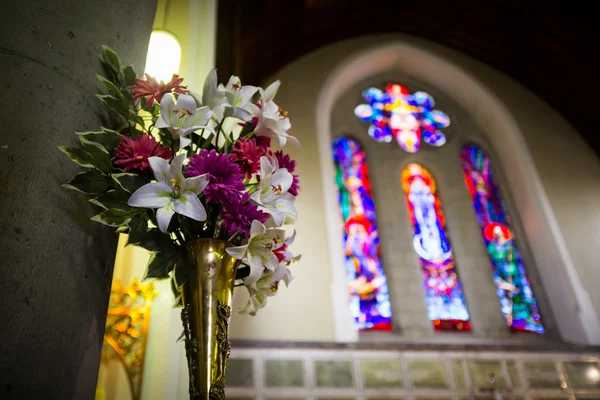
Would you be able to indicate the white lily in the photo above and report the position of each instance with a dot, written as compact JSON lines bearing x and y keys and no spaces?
{"x":258,"y":252}
{"x":272,"y":192}
{"x":236,"y":94}
{"x":183,"y":117}
{"x":267,"y":286}
{"x":171,"y":193}
{"x":271,"y":90}
{"x":213,"y":97}
{"x":266,"y":95}
{"x":274,"y":123}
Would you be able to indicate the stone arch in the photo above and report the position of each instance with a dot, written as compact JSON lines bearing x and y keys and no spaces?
{"x":567,"y":295}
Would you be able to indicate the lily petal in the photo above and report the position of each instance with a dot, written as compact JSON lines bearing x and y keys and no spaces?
{"x":151,"y":195}
{"x":257,"y":229}
{"x":161,"y":123}
{"x":160,"y":168}
{"x":266,"y":168}
{"x":209,"y":91}
{"x":189,"y":204}
{"x":187,"y":102}
{"x":163,"y":216}
{"x":202,"y":115}
{"x":184,"y":141}
{"x":167,"y":104}
{"x":197,"y":184}
{"x":271,"y":90}
{"x":282,"y":178}
{"x":237,"y":252}
{"x":175,"y":169}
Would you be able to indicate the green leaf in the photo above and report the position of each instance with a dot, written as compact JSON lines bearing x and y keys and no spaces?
{"x":109,"y":70}
{"x":111,"y":86}
{"x":79,"y":155}
{"x":130,"y":182}
{"x":155,"y":240}
{"x":114,"y":104}
{"x":129,"y":74}
{"x":161,"y":263}
{"x":86,"y":142}
{"x":182,"y":270}
{"x":112,"y":58}
{"x":112,"y":199}
{"x":107,"y":138}
{"x":176,"y":294}
{"x":113,"y":217}
{"x":122,"y":229}
{"x":132,"y":116}
{"x":90,"y":182}
{"x":139,"y":229}
{"x":207,"y":141}
{"x":99,"y":155}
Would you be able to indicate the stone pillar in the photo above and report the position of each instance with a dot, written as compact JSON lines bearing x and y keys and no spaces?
{"x":55,"y":264}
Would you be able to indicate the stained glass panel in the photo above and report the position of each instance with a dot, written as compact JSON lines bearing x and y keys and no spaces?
{"x":517,"y":301}
{"x":443,"y":290}
{"x":409,"y":118}
{"x":367,"y":284}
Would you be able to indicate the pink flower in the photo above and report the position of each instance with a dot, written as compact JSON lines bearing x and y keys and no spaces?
{"x":286,"y":162}
{"x":247,"y":154}
{"x":263,"y":141}
{"x":133,"y":154}
{"x":153,"y":90}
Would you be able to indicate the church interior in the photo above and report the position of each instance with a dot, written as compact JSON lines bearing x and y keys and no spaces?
{"x":449,"y":202}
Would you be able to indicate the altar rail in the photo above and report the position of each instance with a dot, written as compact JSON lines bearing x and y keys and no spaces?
{"x":287,"y":372}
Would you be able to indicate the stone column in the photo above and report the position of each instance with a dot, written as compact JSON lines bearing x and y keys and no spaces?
{"x":55,"y":264}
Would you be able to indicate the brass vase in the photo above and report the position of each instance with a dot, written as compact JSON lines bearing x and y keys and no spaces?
{"x":207,"y":297}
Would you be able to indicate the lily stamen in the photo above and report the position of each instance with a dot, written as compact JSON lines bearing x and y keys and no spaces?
{"x":277,"y":189}
{"x":175,"y":187}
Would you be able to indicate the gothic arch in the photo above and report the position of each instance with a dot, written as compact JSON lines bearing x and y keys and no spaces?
{"x":567,"y":296}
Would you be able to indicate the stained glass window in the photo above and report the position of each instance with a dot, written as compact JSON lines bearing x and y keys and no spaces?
{"x":510,"y":276}
{"x":443,"y":290}
{"x":367,"y":284}
{"x":409,"y":118}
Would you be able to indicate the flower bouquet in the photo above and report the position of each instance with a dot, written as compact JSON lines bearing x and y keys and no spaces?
{"x":193,"y":179}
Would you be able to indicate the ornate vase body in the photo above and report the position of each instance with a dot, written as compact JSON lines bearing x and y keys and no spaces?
{"x":207,"y":297}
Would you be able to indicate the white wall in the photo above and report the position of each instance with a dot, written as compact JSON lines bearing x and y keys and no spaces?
{"x":553,"y":175}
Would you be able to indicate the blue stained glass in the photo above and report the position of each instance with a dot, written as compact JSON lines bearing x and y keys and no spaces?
{"x":443,"y":290}
{"x":517,"y":301}
{"x":367,"y":283}
{"x":409,"y":118}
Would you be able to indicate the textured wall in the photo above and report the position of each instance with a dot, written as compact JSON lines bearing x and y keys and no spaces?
{"x":56,"y":265}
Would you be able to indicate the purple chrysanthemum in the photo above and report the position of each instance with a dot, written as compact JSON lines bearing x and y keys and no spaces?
{"x":224,"y":177}
{"x":238,"y":216}
{"x":286,"y":162}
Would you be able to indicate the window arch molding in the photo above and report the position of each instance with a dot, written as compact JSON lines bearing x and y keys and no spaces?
{"x":568,"y":298}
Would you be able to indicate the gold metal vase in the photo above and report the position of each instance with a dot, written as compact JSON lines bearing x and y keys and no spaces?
{"x":207,"y":297}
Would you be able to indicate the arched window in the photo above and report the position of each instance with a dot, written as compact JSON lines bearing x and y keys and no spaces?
{"x":367,"y":284}
{"x":443,"y":290}
{"x":510,"y":276}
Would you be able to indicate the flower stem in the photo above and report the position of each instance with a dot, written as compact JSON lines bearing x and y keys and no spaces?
{"x":179,"y":237}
